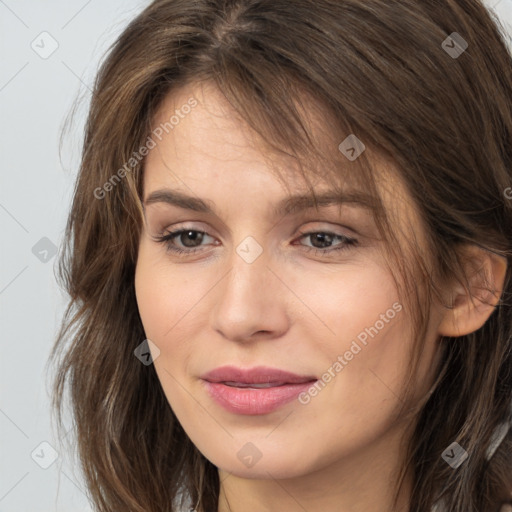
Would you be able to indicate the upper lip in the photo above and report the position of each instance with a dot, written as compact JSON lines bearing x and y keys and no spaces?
{"x":255,"y":375}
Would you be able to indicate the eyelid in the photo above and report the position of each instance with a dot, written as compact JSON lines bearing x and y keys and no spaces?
{"x":301,"y":218}
{"x":346,"y":242}
{"x":320,"y":226}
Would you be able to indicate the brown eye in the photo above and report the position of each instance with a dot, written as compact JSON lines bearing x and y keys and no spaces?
{"x":190,"y":239}
{"x":322,"y":241}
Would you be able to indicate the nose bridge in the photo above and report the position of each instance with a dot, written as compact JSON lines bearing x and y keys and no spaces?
{"x":250,"y":250}
{"x":249,"y":272}
{"x":249,"y":299}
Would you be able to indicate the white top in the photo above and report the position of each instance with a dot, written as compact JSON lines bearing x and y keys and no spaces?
{"x":497,"y":438}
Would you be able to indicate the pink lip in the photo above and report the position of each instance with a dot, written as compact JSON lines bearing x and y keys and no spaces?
{"x":248,"y":400}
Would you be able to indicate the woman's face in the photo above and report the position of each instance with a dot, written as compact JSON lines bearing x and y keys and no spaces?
{"x":271,"y":289}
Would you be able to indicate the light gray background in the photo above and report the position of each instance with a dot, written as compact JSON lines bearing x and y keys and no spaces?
{"x":37,"y":91}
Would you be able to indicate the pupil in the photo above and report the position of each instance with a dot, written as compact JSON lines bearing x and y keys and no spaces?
{"x":322,"y":236}
{"x":195,"y":234}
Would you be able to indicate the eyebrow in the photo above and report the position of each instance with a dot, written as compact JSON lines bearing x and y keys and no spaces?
{"x":287,"y":206}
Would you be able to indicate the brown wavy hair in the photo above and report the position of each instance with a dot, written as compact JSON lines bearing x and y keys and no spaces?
{"x":380,"y":67}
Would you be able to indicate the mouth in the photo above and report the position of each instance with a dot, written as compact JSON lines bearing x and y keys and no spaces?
{"x":255,"y":377}
{"x":254,"y":385}
{"x":254,"y":391}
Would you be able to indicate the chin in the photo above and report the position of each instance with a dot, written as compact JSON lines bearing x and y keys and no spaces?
{"x":276,"y":466}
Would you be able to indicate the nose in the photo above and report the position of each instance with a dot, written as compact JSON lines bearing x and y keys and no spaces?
{"x":251,"y":299}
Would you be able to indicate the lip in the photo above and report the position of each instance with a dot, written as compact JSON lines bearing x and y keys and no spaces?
{"x":240,"y":398}
{"x":255,"y":375}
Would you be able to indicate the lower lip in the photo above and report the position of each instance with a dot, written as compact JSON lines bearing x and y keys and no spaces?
{"x":254,"y":401}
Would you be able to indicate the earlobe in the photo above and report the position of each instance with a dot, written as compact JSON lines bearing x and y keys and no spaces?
{"x":486,"y":276}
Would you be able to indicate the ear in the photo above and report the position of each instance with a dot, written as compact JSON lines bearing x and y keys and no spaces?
{"x":486,"y":275}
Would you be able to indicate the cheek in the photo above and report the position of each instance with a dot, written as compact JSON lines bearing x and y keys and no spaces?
{"x":363,"y":353}
{"x":345,"y":301}
{"x":168,"y":303}
{"x":166,"y":295}
{"x":155,"y":306}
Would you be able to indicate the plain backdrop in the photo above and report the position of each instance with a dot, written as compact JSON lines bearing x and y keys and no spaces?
{"x":50,"y":53}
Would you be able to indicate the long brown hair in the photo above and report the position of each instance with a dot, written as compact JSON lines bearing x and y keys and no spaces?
{"x":386,"y":71}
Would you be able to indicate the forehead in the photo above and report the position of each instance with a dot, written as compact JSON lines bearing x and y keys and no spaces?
{"x":203,"y":141}
{"x":208,"y":150}
{"x":210,"y":154}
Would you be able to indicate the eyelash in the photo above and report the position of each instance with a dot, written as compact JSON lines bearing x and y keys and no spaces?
{"x":167,"y":239}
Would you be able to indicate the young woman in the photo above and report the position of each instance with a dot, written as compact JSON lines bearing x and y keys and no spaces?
{"x":289,"y":261}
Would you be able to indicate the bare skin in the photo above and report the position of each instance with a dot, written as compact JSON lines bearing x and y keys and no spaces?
{"x":291,"y":309}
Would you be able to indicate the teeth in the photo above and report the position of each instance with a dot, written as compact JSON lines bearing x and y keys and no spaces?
{"x":246,"y":385}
